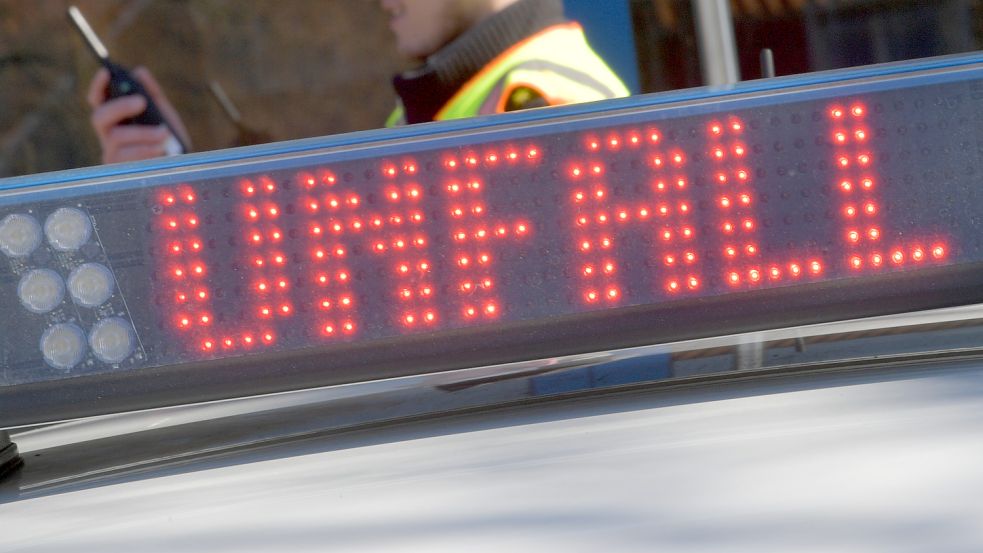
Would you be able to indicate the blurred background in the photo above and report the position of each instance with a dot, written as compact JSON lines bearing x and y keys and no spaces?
{"x":301,"y":68}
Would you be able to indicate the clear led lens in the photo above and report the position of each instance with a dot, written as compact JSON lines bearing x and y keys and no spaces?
{"x":20,"y":235}
{"x":91,"y":284}
{"x":112,"y":340}
{"x":41,"y":290}
{"x":63,"y":346}
{"x":67,"y":229}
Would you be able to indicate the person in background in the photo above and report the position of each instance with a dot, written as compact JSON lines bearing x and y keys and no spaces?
{"x":475,"y":57}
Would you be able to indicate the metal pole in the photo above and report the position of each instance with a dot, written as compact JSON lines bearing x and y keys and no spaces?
{"x":718,"y":49}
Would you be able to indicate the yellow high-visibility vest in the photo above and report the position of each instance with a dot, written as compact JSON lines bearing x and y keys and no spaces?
{"x":556,"y":63}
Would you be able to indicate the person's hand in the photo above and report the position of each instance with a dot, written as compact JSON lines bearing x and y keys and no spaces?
{"x":131,"y":142}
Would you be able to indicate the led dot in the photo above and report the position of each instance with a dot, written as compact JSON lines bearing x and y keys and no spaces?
{"x":262,"y":287}
{"x":860,"y":134}
{"x":938,"y":252}
{"x":748,"y":224}
{"x":597,"y":169}
{"x":91,"y":284}
{"x":63,"y":346}
{"x":730,"y":251}
{"x":815,"y":267}
{"x":192,"y":221}
{"x":612,"y":293}
{"x":867,"y":183}
{"x":576,"y":171}
{"x":718,"y":153}
{"x":670,"y":260}
{"x":693,"y":283}
{"x":742,"y":175}
{"x":728,"y":228}
{"x":874,"y":234}
{"x":870,"y":209}
{"x":750,"y":249}
{"x":754,"y":275}
{"x":279,"y":259}
{"x":112,"y":340}
{"x":843,"y":161}
{"x":716,"y":129}
{"x":876,"y":260}
{"x":775,"y":273}
{"x":734,"y":278}
{"x":409,"y":319}
{"x":725,"y":202}
{"x":846,"y":185}
{"x":591,"y":296}
{"x":856,"y":262}
{"x":227,"y":342}
{"x":533,"y":153}
{"x":739,"y":150}
{"x":205,"y":319}
{"x":268,"y":337}
{"x":850,"y":211}
{"x":840,"y":137}
{"x":864,"y":159}
{"x":836,"y":113}
{"x":897,"y":256}
{"x":918,"y":254}
{"x":643,"y":212}
{"x":40,"y":290}
{"x":20,"y":235}
{"x":247,"y":339}
{"x":721,"y":178}
{"x":795,"y":269}
{"x":608,"y":268}
{"x":853,"y":236}
{"x":491,"y":308}
{"x":672,"y":285}
{"x":285,"y":309}
{"x":169,"y":200}
{"x":857,"y":111}
{"x":67,"y":229}
{"x":623,"y":215}
{"x":265,"y":311}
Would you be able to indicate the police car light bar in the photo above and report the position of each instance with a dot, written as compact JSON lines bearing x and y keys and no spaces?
{"x":494,"y":240}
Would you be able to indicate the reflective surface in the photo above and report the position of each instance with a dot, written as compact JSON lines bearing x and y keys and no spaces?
{"x":875,"y":461}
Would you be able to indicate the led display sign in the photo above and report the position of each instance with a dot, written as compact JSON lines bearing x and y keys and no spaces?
{"x":539,"y":237}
